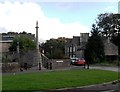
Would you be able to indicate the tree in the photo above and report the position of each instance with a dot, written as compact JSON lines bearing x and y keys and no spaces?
{"x":94,"y":51}
{"x":109,"y":24}
{"x":54,"y":48}
{"x":25,"y":44}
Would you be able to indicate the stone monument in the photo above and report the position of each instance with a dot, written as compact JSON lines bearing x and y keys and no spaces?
{"x":39,"y":60}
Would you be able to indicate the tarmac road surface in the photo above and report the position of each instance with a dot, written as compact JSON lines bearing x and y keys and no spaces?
{"x":95,"y":88}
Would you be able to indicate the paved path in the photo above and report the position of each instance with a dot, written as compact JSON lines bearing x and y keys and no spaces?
{"x":110,"y":68}
{"x":34,"y":69}
{"x":110,"y":87}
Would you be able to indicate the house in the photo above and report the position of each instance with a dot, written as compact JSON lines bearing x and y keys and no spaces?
{"x":111,"y":50}
{"x":7,"y":39}
{"x":5,"y":43}
{"x":74,"y":47}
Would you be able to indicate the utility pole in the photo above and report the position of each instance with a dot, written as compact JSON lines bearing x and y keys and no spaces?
{"x":39,"y":60}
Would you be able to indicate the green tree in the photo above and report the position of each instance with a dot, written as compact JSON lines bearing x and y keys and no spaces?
{"x":25,"y":44}
{"x":109,"y":24}
{"x":94,"y":51}
{"x":54,"y":48}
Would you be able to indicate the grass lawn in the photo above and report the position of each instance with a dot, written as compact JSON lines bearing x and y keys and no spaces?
{"x":0,"y":82}
{"x":56,"y":79}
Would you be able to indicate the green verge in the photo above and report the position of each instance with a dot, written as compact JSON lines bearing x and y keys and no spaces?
{"x":0,"y":81}
{"x":56,"y":79}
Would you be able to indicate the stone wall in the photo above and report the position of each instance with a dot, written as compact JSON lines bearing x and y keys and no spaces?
{"x":10,"y":67}
{"x":4,"y":46}
{"x":12,"y":63}
{"x":58,"y":63}
{"x":28,"y":58}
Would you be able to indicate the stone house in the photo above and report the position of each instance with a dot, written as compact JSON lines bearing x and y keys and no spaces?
{"x":5,"y":43}
{"x":74,"y":47}
{"x":7,"y":39}
{"x":111,"y":50}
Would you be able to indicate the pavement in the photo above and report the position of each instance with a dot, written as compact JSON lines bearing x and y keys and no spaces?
{"x":110,"y":68}
{"x":71,"y":67}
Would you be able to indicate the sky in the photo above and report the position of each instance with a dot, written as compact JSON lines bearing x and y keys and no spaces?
{"x":60,"y":18}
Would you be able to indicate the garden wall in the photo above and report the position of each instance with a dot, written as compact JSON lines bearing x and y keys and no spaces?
{"x":10,"y":67}
{"x":58,"y":63}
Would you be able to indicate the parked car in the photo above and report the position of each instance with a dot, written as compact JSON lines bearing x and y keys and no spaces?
{"x":80,"y":62}
{"x":72,"y":60}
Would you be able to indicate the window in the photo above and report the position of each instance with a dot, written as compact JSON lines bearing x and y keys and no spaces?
{"x":70,"y":49}
{"x":74,"y":49}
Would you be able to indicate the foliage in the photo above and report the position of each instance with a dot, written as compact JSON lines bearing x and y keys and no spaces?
{"x":54,"y":48}
{"x":5,"y":58}
{"x":109,"y":24}
{"x":55,"y":79}
{"x":94,"y":51}
{"x":15,"y":33}
{"x":25,"y":44}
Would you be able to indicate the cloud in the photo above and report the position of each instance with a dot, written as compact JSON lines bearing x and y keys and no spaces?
{"x":63,"y":0}
{"x":110,"y":9}
{"x":16,"y":16}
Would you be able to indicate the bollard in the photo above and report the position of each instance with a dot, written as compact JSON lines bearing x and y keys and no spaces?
{"x":39,"y":66}
{"x":47,"y":65}
{"x":84,"y":66}
{"x":50,"y":66}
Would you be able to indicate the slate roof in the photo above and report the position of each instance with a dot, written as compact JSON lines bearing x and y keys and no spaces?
{"x":110,"y":48}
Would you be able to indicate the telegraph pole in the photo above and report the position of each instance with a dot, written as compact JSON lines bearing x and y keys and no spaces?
{"x":39,"y":60}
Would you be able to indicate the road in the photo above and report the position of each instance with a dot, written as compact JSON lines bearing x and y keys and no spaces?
{"x":110,"y":68}
{"x":110,"y":87}
{"x":96,"y":88}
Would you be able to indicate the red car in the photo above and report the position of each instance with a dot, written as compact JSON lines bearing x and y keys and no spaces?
{"x":80,"y":62}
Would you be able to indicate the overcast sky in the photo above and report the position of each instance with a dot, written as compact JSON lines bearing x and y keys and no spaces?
{"x":56,"y":19}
